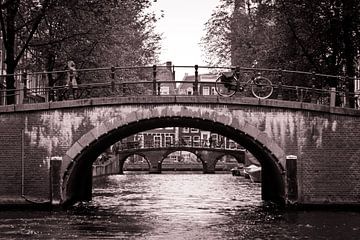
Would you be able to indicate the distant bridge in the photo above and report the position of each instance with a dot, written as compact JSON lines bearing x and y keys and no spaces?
{"x":155,"y":155}
{"x":309,"y":152}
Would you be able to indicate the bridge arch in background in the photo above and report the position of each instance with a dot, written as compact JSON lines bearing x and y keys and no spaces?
{"x":199,"y":153}
{"x":77,"y":172}
{"x":207,"y":157}
{"x":125,"y":157}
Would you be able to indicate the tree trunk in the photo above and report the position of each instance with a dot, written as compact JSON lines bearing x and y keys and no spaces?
{"x":10,"y":85}
{"x":9,"y":44}
{"x":10,"y":77}
{"x":349,"y":7}
{"x":50,"y":62}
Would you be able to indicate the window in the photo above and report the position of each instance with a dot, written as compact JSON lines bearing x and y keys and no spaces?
{"x":194,"y":130}
{"x":206,"y":91}
{"x":213,"y":91}
{"x":185,"y":130}
{"x":186,"y":140}
{"x":164,"y":90}
{"x":214,"y":140}
{"x":157,"y":141}
{"x":189,"y":91}
{"x":140,"y":139}
{"x":168,"y":140}
{"x":196,"y":141}
{"x":232,"y":144}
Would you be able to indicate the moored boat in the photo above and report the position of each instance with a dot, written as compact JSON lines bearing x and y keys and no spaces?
{"x":236,"y":171}
{"x":254,"y":173}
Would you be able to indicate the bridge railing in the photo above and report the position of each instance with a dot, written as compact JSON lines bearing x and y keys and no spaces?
{"x":203,"y":144}
{"x":160,"y":80}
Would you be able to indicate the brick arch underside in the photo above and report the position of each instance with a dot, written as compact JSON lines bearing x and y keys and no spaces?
{"x":77,"y":178}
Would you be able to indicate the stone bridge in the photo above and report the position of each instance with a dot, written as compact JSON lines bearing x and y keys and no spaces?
{"x":155,"y":156}
{"x":309,"y":153}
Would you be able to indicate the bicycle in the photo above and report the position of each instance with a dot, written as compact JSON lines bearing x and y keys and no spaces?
{"x":227,"y":84}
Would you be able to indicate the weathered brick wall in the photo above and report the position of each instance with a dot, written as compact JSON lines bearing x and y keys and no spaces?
{"x":330,"y":160}
{"x":326,"y":143}
{"x":10,"y":156}
{"x":328,"y":150}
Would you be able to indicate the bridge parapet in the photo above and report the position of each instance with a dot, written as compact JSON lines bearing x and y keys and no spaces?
{"x":149,"y":80}
{"x":180,"y":144}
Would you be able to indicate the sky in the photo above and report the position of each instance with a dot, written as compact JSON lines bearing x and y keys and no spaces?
{"x":182,"y":27}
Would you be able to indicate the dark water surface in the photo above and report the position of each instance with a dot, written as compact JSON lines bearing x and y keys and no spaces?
{"x":177,"y":206}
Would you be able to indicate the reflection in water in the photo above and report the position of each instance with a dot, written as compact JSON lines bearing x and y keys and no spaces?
{"x":177,"y":206}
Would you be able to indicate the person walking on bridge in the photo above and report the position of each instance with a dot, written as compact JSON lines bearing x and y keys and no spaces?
{"x":72,"y":75}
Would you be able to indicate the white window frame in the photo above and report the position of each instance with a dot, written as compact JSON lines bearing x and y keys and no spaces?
{"x":206,"y":90}
{"x":157,"y":140}
{"x":187,"y":140}
{"x":185,"y":130}
{"x":189,"y":91}
{"x":164,"y":90}
{"x":194,"y":130}
{"x":196,"y":141}
{"x":169,"y":140}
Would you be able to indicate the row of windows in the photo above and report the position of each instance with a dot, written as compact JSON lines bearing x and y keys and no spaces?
{"x":192,"y":130}
{"x":206,"y":90}
{"x":213,"y":141}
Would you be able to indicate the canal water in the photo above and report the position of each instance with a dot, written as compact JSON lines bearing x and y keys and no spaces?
{"x":177,"y":206}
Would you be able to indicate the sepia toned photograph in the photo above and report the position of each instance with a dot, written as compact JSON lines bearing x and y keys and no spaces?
{"x":180,"y":120}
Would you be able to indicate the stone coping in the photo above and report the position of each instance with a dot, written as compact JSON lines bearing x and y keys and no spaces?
{"x":179,"y":99}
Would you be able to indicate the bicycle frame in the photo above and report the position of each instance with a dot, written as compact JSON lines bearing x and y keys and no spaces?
{"x":227,"y":84}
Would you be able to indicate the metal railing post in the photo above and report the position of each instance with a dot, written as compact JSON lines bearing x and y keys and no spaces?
{"x":173,"y":72}
{"x":23,"y":88}
{"x":154,"y":79}
{"x":196,"y":83}
{"x":112,"y":75}
{"x":332,"y":96}
{"x":237,"y":75}
{"x":280,"y":83}
{"x":347,"y":93}
{"x":313,"y":79}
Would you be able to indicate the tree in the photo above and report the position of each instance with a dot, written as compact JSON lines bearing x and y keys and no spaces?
{"x":19,"y":21}
{"x":241,"y":31}
{"x":304,"y":35}
{"x":327,"y":33}
{"x":93,"y":33}
{"x":216,"y":41}
{"x":97,"y":33}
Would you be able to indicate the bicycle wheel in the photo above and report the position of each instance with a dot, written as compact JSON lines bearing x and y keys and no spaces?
{"x":261,"y":87}
{"x":225,"y":88}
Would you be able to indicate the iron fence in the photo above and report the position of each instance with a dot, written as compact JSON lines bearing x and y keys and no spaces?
{"x":160,"y":80}
{"x":203,"y":144}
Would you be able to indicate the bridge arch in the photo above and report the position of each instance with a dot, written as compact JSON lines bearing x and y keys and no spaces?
{"x":208,"y":157}
{"x":77,"y":178}
{"x":122,"y":158}
{"x":193,"y":151}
